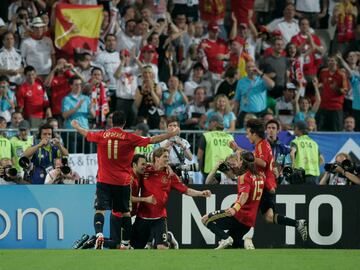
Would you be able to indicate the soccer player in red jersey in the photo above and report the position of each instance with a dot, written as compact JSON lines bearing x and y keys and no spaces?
{"x":158,"y":180}
{"x":241,"y":216}
{"x":115,"y":151}
{"x":255,"y":132}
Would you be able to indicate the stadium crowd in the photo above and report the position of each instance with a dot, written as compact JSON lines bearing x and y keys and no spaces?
{"x":208,"y":65}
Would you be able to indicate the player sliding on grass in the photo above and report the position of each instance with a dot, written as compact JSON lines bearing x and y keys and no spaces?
{"x":241,"y":216}
{"x":255,"y":132}
{"x":115,"y":150}
{"x":158,"y":180}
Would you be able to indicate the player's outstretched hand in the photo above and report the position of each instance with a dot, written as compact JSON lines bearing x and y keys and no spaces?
{"x":175,"y":132}
{"x":75,"y":124}
{"x":206,"y":193}
{"x":230,"y":211}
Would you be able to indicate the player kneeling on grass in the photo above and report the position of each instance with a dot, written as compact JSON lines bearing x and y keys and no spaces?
{"x":158,"y":180}
{"x":241,"y":216}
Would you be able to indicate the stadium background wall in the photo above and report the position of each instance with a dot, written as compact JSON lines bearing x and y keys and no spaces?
{"x":54,"y":216}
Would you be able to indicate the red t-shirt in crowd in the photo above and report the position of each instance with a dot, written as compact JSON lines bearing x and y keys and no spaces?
{"x":115,"y":150}
{"x":159,"y":184}
{"x":253,"y":185}
{"x":311,"y":61}
{"x":213,"y":48}
{"x":263,"y":151}
{"x":212,"y":11}
{"x":59,"y":89}
{"x":241,"y":9}
{"x":33,"y":99}
{"x":331,"y":97}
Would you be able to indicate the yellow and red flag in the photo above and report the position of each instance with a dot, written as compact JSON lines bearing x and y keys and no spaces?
{"x":77,"y":26}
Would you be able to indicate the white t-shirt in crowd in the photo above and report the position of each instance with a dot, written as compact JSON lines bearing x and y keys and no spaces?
{"x":11,"y":60}
{"x":308,"y":5}
{"x":127,"y":84}
{"x":108,"y":62}
{"x":288,"y":30}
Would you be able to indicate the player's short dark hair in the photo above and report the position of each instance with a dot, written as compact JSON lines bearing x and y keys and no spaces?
{"x":256,"y":126}
{"x":136,"y":158}
{"x":28,"y":69}
{"x":158,"y":152}
{"x":119,"y":119}
{"x":273,"y":121}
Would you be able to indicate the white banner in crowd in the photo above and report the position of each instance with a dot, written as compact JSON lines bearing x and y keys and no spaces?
{"x":85,"y":165}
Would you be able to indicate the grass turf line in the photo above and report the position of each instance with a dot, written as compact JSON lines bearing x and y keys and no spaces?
{"x":264,"y":259}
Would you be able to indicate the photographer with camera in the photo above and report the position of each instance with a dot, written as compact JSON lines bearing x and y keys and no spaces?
{"x":9,"y":175}
{"x":341,"y":172}
{"x":44,"y":153}
{"x":62,"y":173}
{"x":225,"y":172}
{"x":305,"y":154}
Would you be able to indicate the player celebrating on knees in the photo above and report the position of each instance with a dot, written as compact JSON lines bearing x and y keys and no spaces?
{"x":239,"y":218}
{"x":115,"y":150}
{"x":158,"y":180}
{"x":255,"y":132}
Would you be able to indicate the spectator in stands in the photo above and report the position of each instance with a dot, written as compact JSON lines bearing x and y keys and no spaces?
{"x":276,"y":66}
{"x":284,"y":109}
{"x":222,"y":107}
{"x":303,"y":107}
{"x":334,"y":88}
{"x":196,"y":110}
{"x":213,"y":48}
{"x":148,"y":98}
{"x":61,"y":174}
{"x":38,"y":50}
{"x":126,"y":85}
{"x":227,"y":86}
{"x":339,"y":176}
{"x":296,"y":61}
{"x":238,"y":57}
{"x":109,"y":60}
{"x":58,"y":82}
{"x":305,"y":153}
{"x":43,"y":153}
{"x":5,"y":145}
{"x":190,"y":8}
{"x":20,"y":143}
{"x":311,"y":123}
{"x":344,"y":17}
{"x":175,"y":100}
{"x":83,"y":66}
{"x":302,"y":40}
{"x":3,"y":26}
{"x":148,"y":55}
{"x":127,"y":39}
{"x":349,"y":123}
{"x":287,"y":25}
{"x":213,"y":145}
{"x":312,"y":10}
{"x":197,"y":78}
{"x":7,"y":99}
{"x":251,"y":93}
{"x":32,"y":99}
{"x":16,"y":118}
{"x":20,"y":26}
{"x":10,"y":60}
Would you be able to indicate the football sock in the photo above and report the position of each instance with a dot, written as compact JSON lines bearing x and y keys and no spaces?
{"x":98,"y":223}
{"x":115,"y":228}
{"x":282,"y":220}
{"x":126,"y":225}
{"x":216,"y":230}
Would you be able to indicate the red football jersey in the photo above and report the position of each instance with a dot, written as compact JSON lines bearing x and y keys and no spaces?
{"x":115,"y":150}
{"x":159,"y":184}
{"x":253,"y":185}
{"x":60,"y":87}
{"x":212,"y":49}
{"x":263,"y":151}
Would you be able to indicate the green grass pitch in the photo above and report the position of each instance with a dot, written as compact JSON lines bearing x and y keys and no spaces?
{"x":187,"y":259}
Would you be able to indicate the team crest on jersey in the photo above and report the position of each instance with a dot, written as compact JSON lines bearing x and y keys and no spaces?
{"x":39,"y":87}
{"x":29,"y":93}
{"x":164,"y":179}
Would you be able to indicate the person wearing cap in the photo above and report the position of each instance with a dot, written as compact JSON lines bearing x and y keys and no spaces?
{"x":126,"y":85}
{"x":213,"y":145}
{"x":7,"y":99}
{"x":305,"y":153}
{"x":148,"y":52}
{"x":5,"y":146}
{"x":287,"y":25}
{"x":284,"y":108}
{"x":20,"y":143}
{"x":38,"y":50}
{"x":212,"y":50}
{"x":11,"y":63}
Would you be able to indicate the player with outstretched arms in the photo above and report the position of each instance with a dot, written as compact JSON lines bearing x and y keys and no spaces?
{"x":115,"y":150}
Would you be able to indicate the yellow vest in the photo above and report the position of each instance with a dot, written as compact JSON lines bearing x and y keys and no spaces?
{"x":307,"y":155}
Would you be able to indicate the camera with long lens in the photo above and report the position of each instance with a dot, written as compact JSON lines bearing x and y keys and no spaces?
{"x":294,"y":176}
{"x":65,"y":169}
{"x":346,"y":164}
{"x":9,"y":173}
{"x":224,"y":167}
{"x":182,"y":170}
{"x":25,"y":163}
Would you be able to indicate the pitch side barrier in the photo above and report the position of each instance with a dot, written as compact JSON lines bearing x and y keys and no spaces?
{"x":53,"y":216}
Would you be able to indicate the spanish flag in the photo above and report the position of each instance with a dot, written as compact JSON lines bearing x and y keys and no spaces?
{"x":77,"y":26}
